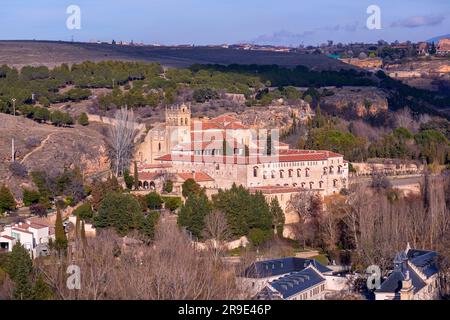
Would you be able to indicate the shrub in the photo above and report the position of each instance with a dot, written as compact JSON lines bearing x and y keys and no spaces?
{"x":172,"y":203}
{"x":38,"y":209}
{"x":168,"y":186}
{"x":30,"y":197}
{"x":154,"y":201}
{"x":18,"y":169}
{"x":84,"y":212}
{"x":258,"y":236}
{"x":83,"y":119}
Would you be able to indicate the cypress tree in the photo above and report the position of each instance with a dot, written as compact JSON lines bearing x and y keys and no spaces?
{"x":136,"y":177}
{"x":277,"y":216}
{"x":77,"y":227}
{"x":60,"y":235}
{"x":83,"y":233}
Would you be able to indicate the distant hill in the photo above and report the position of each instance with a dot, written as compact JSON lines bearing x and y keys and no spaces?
{"x":436,"y":39}
{"x":51,"y":53}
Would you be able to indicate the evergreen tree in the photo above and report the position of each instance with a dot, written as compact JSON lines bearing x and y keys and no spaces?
{"x":154,"y":201}
{"x":20,"y":267}
{"x":60,"y":235}
{"x":136,"y":176}
{"x":277,"y":215}
{"x":192,"y":214}
{"x":148,"y":223}
{"x":83,"y":233}
{"x":129,"y":180}
{"x":7,"y":201}
{"x":119,"y":211}
{"x":168,"y":186}
{"x":190,"y":187}
{"x":77,"y":226}
{"x":244,"y":211}
{"x":83,"y":119}
{"x":41,"y":291}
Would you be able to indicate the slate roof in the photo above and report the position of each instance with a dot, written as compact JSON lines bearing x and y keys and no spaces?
{"x":297,"y":282}
{"x":278,"y":267}
{"x":393,"y":283}
{"x":424,"y":261}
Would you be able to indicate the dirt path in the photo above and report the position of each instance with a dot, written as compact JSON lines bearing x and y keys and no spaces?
{"x":43,"y":142}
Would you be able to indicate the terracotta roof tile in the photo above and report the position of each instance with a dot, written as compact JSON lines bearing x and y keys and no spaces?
{"x":196,"y":176}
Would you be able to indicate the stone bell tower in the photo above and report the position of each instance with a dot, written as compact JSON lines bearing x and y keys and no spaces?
{"x":178,"y":125}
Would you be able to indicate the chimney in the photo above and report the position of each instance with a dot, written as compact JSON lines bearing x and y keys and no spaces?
{"x":407,"y":291}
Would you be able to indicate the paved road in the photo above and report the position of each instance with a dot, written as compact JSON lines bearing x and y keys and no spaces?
{"x":397,"y":181}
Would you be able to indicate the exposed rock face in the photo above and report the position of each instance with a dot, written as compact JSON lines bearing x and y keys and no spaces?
{"x":359,"y":101}
{"x":280,"y":117}
{"x":47,"y":148}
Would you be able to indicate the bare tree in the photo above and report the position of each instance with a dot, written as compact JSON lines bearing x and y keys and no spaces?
{"x":217,"y":231}
{"x":170,"y":268}
{"x":122,"y":135}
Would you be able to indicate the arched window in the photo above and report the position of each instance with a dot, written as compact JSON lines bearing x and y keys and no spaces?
{"x":340,"y":169}
{"x":281,"y":174}
{"x":186,"y":121}
{"x":291,"y":173}
{"x":145,"y":185}
{"x":264,"y":175}
{"x":152,"y":185}
{"x":307,"y":172}
{"x":320,"y":184}
{"x":311,"y":184}
{"x":273,"y":174}
{"x":255,"y":172}
{"x":303,"y":185}
{"x":331,"y":169}
{"x":159,"y":146}
{"x":299,"y":173}
{"x":325,"y":171}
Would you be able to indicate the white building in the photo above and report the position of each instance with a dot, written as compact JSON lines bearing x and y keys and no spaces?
{"x":33,"y":236}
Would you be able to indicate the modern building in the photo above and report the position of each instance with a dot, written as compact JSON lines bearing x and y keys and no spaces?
{"x":415,"y":277}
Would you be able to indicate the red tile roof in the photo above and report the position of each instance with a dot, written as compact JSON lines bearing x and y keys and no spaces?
{"x":8,"y":237}
{"x":283,"y":156}
{"x":146,"y":176}
{"x":279,"y":189}
{"x":196,"y":176}
{"x":37,"y":226}
{"x":154,"y":166}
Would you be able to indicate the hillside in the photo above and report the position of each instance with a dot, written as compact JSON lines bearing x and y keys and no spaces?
{"x":21,"y":53}
{"x":48,"y":148}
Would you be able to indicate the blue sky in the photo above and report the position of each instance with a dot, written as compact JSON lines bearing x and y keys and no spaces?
{"x":288,"y":22}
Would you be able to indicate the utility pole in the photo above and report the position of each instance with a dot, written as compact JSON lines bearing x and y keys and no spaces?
{"x":13,"y":151}
{"x":113,"y":82}
{"x":14,"y":106}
